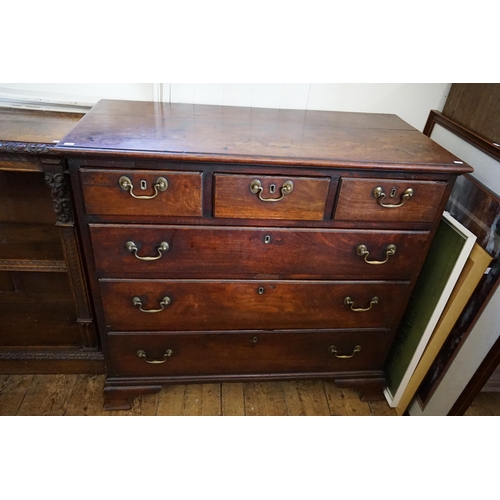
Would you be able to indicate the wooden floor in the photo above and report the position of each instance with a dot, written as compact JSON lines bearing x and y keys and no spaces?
{"x":75,"y":395}
{"x":82,"y":395}
{"x":486,"y":404}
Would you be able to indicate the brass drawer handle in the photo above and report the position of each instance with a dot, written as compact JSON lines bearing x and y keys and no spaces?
{"x":333,"y":350}
{"x":142,"y":354}
{"x":349,"y":302}
{"x":362,"y":251}
{"x":136,"y":301}
{"x":256,"y":188}
{"x":380,"y":195}
{"x":161,"y":184}
{"x":132,"y":248}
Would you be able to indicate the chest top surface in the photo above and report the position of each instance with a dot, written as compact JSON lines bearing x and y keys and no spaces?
{"x":255,"y":135}
{"x":22,"y":125}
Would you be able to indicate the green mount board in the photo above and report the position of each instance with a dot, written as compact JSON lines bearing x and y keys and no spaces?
{"x":436,"y":272}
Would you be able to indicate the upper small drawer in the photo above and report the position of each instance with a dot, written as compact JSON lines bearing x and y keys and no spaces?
{"x":270,"y":197}
{"x":386,"y":200}
{"x":142,"y":192}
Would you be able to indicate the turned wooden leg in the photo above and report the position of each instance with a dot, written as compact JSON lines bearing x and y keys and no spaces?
{"x":122,"y":397}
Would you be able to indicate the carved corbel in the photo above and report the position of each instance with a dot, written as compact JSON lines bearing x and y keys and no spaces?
{"x":57,"y":181}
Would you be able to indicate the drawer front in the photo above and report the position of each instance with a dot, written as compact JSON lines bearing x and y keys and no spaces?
{"x":250,"y":305}
{"x":142,"y":192}
{"x":226,"y":252}
{"x":163,"y":354}
{"x":364,"y":200}
{"x":249,"y":197}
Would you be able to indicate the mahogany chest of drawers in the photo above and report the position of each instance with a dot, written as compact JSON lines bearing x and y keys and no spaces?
{"x":228,"y":243}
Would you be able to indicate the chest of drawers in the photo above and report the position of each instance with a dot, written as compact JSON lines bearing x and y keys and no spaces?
{"x":239,"y":244}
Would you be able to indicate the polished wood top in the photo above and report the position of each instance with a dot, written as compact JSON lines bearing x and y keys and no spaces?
{"x":31,"y":126}
{"x":255,"y":135}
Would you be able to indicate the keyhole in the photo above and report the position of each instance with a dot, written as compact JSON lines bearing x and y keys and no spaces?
{"x":272,"y":188}
{"x":267,"y":239}
{"x":255,"y":340}
{"x":393,"y":192}
{"x":260,"y":291}
{"x":144,"y":185}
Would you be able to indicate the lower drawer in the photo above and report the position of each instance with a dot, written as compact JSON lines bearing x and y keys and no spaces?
{"x":202,"y":305}
{"x":240,"y":353}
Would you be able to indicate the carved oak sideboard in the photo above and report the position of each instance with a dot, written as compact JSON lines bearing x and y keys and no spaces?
{"x":228,"y":243}
{"x":46,"y":323}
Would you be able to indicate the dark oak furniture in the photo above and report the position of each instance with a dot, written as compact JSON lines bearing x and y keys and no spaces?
{"x":46,"y":323}
{"x":228,"y":243}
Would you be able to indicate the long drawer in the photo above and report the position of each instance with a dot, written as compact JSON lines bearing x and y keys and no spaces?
{"x":197,"y":305}
{"x":163,"y":354}
{"x":153,"y":251}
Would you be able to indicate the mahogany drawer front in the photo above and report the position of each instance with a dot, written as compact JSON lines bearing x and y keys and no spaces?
{"x":362,"y":199}
{"x":302,"y":198}
{"x":184,"y":305}
{"x":167,"y":193}
{"x":228,"y":251}
{"x":171,"y":354}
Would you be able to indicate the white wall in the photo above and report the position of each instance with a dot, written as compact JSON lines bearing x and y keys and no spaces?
{"x":411,"y":101}
{"x":85,"y":94}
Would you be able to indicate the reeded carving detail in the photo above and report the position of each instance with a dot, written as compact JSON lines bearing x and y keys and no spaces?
{"x":26,"y":148}
{"x":74,"y":266}
{"x":52,"y":355}
{"x":54,"y":266}
{"x":60,"y":196}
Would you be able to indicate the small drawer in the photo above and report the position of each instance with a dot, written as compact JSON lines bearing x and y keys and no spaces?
{"x":202,"y":305}
{"x":266,"y":197}
{"x":385,"y":200}
{"x":238,"y":252}
{"x":142,"y":192}
{"x":246,"y":353}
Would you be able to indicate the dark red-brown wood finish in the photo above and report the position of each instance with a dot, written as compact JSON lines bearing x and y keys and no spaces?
{"x":46,"y":322}
{"x":228,"y":243}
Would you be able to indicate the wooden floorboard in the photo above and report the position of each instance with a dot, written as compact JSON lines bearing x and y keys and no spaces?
{"x":306,"y":398}
{"x":47,"y":395}
{"x":480,"y":406}
{"x":80,"y":395}
{"x":233,"y":400}
{"x":265,"y":399}
{"x":12,"y":393}
{"x":345,"y":402}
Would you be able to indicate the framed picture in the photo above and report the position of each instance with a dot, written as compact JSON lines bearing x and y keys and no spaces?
{"x":444,"y":263}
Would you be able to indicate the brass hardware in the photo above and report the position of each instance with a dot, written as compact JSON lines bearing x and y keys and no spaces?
{"x":333,"y":350}
{"x":132,"y":248}
{"x":142,"y":354}
{"x":393,"y":192}
{"x":144,"y":185}
{"x":260,"y":291}
{"x":362,"y":251}
{"x":256,"y":188}
{"x":136,"y":301}
{"x":349,"y":302}
{"x":379,"y":195}
{"x":272,"y":188}
{"x":255,"y":340}
{"x":267,"y":239}
{"x":161,"y":184}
